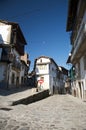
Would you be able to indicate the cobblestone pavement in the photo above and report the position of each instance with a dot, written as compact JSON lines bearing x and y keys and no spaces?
{"x":8,"y":96}
{"x":58,"y":112}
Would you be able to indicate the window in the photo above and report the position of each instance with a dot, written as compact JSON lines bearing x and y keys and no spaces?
{"x":41,"y":67}
{"x":41,"y":60}
{"x":42,"y":78}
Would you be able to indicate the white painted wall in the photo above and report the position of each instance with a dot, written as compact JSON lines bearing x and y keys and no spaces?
{"x":5,"y":33}
{"x":45,"y":84}
{"x":44,"y":60}
{"x":42,"y":69}
{"x":47,"y":69}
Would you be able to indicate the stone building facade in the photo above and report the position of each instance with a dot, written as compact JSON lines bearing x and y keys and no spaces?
{"x":76,"y":24}
{"x":12,"y":43}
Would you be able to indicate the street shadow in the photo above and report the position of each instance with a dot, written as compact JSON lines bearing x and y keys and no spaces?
{"x":5,"y":92}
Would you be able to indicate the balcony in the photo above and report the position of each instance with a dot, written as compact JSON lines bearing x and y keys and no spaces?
{"x":6,"y":56}
{"x":79,"y":45}
{"x":16,"y":65}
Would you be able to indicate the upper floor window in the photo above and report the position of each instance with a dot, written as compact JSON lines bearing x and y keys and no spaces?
{"x":42,"y":78}
{"x":40,"y":60}
{"x":41,"y":67}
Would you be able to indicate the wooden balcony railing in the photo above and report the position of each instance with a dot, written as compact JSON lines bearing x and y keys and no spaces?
{"x":16,"y":65}
{"x":7,"y":57}
{"x":79,"y":39}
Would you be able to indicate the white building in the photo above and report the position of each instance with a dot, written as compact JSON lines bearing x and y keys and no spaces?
{"x":12,"y":44}
{"x":76,"y":23}
{"x":47,"y":72}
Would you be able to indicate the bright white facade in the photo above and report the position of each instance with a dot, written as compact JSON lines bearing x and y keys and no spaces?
{"x":5,"y":33}
{"x":46,"y":72}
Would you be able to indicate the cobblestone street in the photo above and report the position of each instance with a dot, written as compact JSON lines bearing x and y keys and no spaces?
{"x":58,"y":112}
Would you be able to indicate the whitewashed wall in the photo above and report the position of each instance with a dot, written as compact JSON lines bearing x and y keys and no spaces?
{"x":42,"y":69}
{"x":46,"y":68}
{"x":45,"y":84}
{"x":5,"y":33}
{"x":44,"y":60}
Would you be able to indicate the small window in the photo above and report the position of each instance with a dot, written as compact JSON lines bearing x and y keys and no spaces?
{"x":42,"y":78}
{"x":41,"y":60}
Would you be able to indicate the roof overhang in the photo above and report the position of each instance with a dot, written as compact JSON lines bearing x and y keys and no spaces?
{"x":72,"y":9}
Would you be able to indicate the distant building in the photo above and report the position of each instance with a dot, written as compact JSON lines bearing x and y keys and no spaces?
{"x":47,"y":74}
{"x":25,"y":66}
{"x":12,"y":43}
{"x":76,"y":24}
{"x":32,"y":82}
{"x":63,"y":75}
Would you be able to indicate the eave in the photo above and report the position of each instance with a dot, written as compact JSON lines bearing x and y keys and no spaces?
{"x":72,"y":9}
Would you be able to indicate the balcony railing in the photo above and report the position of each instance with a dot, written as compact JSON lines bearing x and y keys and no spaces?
{"x":8,"y":57}
{"x":16,"y":65}
{"x":79,"y":39}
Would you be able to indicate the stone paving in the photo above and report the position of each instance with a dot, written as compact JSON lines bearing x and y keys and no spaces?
{"x":8,"y":96}
{"x":58,"y":112}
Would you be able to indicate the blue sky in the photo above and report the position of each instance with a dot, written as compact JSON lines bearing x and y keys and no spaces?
{"x":43,"y":23}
